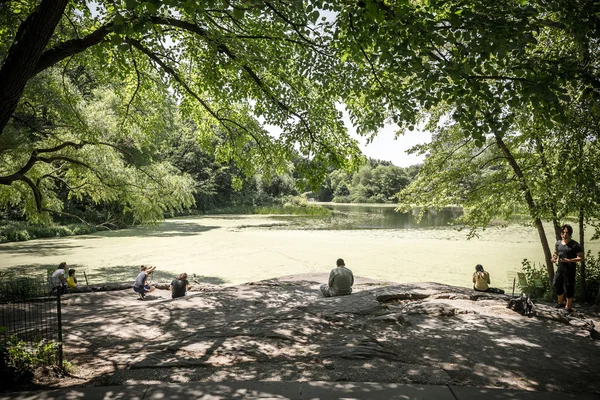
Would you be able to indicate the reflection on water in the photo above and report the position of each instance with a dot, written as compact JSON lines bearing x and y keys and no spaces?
{"x":348,"y":216}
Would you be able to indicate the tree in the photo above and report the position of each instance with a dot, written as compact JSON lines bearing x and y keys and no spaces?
{"x":231,"y":66}
{"x":485,"y":61}
{"x":79,"y":144}
{"x":483,"y":58}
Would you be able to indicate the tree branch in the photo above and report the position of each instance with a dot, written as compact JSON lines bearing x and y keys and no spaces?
{"x":137,"y":88}
{"x":71,"y":47}
{"x":177,"y":78}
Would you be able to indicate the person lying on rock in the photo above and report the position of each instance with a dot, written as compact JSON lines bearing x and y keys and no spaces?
{"x":340,"y":282}
{"x":481,"y":280}
{"x":179,"y":286}
{"x":141,"y":286}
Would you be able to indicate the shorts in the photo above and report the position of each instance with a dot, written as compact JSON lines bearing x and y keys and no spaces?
{"x":564,"y":280}
{"x":328,"y":291}
{"x":143,"y":289}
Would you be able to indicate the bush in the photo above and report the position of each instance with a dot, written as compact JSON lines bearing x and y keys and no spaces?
{"x":538,"y":284}
{"x":22,"y":231}
{"x":592,"y":271}
{"x":592,"y":279}
{"x":19,"y":360}
{"x":24,"y":357}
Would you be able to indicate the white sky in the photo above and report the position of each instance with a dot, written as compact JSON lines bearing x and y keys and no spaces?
{"x":385,"y":147}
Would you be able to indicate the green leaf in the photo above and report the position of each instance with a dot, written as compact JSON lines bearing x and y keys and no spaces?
{"x":238,"y":13}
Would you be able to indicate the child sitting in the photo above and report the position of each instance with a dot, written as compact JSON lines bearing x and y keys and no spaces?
{"x":71,"y":280}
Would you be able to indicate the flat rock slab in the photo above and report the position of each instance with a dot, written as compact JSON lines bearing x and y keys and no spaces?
{"x":284,"y":330}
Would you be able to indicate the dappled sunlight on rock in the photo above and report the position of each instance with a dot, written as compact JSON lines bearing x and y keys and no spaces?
{"x":281,"y":330}
{"x":514,"y":340}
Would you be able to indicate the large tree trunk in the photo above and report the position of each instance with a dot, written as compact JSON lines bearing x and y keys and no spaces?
{"x":582,"y":277}
{"x":533,"y":209}
{"x":556,"y":229}
{"x":23,"y":56}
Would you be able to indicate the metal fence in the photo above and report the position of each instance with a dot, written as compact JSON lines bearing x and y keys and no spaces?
{"x":31,"y":315}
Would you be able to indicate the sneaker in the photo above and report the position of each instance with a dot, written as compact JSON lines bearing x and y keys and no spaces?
{"x":569,"y":310}
{"x":142,"y":296}
{"x":560,"y":305}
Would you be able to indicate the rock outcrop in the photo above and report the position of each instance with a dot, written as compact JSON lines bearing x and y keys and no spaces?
{"x":282,"y":329}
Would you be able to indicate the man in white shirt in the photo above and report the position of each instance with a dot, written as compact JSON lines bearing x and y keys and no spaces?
{"x":58,"y":279}
{"x":340,"y":282}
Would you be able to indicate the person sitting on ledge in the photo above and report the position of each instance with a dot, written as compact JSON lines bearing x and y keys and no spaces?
{"x":58,"y":279}
{"x":481,"y":280}
{"x":141,"y":286}
{"x":71,"y":280}
{"x":179,"y":286}
{"x":340,"y":282}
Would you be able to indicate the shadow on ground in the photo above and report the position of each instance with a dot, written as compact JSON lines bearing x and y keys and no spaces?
{"x":169,"y":228}
{"x":273,"y":330}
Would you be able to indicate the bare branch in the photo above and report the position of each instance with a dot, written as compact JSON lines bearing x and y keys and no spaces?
{"x":30,"y":126}
{"x":50,"y":160}
{"x":62,"y":146}
{"x":137,"y":88}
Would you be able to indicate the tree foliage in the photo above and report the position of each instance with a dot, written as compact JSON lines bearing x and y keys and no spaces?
{"x":483,"y":58}
{"x":374,"y":182}
{"x":231,"y":67}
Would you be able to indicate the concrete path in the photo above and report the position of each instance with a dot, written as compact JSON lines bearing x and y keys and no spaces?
{"x":291,"y":390}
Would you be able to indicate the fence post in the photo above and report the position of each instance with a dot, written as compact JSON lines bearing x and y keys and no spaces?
{"x":59,"y":323}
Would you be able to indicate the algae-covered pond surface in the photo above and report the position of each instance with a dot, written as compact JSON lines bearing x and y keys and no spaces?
{"x":235,"y":249}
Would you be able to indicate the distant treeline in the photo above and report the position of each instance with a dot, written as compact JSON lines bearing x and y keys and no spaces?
{"x":222,"y":187}
{"x":376,"y":182}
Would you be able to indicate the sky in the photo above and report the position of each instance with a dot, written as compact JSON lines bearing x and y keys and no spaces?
{"x":385,"y":147}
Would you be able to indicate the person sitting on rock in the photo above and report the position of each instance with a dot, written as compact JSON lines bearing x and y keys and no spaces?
{"x":71,"y":280}
{"x":179,"y":286}
{"x":340,"y":282}
{"x":141,"y":286}
{"x":58,"y":280}
{"x":481,"y":280}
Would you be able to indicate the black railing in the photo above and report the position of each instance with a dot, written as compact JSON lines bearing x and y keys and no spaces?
{"x":30,"y":317}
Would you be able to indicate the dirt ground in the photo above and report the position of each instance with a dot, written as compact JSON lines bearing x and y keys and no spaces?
{"x":283,"y":330}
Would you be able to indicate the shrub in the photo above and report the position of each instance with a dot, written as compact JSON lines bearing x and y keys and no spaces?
{"x":539,"y":273}
{"x":22,"y":231}
{"x":24,"y":357}
{"x":19,"y":360}
{"x":592,"y":279}
{"x":538,"y":285}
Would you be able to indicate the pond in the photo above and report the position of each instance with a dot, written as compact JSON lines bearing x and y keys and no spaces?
{"x":375,"y":242}
{"x":385,"y":216}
